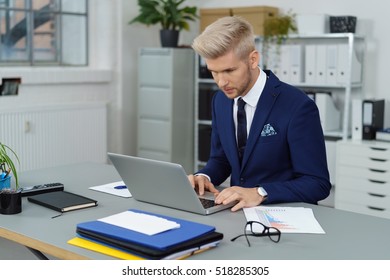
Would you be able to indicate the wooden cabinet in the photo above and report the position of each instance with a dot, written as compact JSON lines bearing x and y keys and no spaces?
{"x":256,"y":15}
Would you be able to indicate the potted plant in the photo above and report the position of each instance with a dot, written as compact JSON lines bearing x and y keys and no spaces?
{"x":169,"y":15}
{"x":10,"y":198}
{"x":276,"y":31}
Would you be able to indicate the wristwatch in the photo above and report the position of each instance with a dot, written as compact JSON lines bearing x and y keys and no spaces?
{"x":261,"y":191}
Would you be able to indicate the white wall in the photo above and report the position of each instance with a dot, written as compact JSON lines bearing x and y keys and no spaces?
{"x":132,"y":38}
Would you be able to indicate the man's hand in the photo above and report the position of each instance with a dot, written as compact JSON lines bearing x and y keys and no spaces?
{"x":245,"y":197}
{"x":201,"y":184}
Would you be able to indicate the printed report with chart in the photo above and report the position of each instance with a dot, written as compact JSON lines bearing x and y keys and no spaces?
{"x":286,"y":219}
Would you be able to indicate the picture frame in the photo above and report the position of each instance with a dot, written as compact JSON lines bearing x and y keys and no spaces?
{"x":10,"y":86}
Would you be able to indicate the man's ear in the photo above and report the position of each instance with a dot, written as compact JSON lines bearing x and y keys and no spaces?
{"x":254,"y":59}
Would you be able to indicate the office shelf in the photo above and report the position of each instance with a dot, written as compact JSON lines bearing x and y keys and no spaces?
{"x":338,"y":62}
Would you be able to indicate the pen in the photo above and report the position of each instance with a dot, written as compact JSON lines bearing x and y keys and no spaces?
{"x":120,"y":187}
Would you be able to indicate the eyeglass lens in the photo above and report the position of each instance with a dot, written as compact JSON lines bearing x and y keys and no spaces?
{"x":258,"y":229}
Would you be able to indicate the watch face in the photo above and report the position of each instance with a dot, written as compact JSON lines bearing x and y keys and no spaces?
{"x":262,"y":192}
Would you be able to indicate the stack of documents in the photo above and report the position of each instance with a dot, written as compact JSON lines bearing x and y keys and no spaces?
{"x":136,"y":234}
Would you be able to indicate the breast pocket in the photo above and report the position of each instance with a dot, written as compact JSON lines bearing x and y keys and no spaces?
{"x":269,"y":133}
{"x":270,"y":138}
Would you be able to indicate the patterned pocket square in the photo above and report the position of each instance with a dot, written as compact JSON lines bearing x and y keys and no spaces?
{"x":268,"y":130}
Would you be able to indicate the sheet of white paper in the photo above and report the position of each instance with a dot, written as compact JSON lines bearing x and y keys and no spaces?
{"x":286,"y":219}
{"x":110,"y":189}
{"x":144,"y":223}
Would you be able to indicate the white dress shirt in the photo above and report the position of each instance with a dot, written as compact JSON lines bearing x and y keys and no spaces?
{"x":251,"y":99}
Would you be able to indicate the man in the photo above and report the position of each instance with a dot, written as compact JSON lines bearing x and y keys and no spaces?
{"x":284,"y":158}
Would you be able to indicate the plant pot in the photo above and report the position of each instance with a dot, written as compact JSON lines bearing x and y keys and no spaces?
{"x":169,"y":38}
{"x":5,"y":183}
{"x":10,"y":202}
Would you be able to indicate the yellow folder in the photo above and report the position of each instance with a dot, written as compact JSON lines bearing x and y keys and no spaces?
{"x":90,"y":245}
{"x":100,"y":248}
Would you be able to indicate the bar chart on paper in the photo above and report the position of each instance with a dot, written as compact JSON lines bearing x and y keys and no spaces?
{"x":277,"y":222}
{"x":286,"y":219}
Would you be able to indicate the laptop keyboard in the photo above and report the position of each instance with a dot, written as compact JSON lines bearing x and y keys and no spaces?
{"x":207,"y":203}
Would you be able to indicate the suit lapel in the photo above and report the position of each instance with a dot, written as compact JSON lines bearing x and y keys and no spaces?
{"x":227,"y":130}
{"x":264,"y":107}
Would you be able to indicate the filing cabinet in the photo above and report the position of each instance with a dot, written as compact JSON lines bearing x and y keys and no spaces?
{"x":165,"y":105}
{"x":363,"y":177}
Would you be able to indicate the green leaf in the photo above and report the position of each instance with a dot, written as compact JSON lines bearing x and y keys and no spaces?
{"x":165,"y":12}
{"x":7,"y":163}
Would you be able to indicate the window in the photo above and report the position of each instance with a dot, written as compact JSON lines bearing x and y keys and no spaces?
{"x":43,"y":32}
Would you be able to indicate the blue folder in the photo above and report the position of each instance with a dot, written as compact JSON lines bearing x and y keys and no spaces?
{"x":162,"y":241}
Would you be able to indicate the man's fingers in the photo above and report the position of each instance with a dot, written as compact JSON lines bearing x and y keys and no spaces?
{"x":226,"y":196}
{"x":212,"y":189}
{"x":238,"y":206}
{"x":201,"y":184}
{"x":191,"y":178}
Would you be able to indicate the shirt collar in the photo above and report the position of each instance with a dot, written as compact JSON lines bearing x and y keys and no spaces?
{"x":253,"y":96}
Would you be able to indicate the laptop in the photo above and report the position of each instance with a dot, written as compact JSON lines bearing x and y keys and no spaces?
{"x":163,"y":183}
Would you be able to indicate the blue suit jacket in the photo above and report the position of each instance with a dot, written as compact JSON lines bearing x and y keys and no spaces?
{"x":290,"y":164}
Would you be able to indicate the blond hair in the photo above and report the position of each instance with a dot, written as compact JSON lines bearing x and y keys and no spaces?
{"x":223,"y":35}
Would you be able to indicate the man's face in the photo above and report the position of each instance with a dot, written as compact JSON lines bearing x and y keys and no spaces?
{"x":233,"y":76}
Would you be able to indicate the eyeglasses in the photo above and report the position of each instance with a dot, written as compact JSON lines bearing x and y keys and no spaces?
{"x":253,"y":228}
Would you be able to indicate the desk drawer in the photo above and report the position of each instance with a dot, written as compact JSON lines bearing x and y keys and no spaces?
{"x":367,"y":162}
{"x":366,"y":198}
{"x":154,"y":135}
{"x":155,"y":67}
{"x":363,"y":209}
{"x":375,"y":149}
{"x":363,"y":185}
{"x":152,"y":154}
{"x":363,"y":173}
{"x":155,"y":103}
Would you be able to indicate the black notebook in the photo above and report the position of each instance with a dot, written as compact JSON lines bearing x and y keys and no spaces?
{"x":62,"y":201}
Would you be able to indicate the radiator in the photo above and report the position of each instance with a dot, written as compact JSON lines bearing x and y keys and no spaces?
{"x":55,"y":135}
